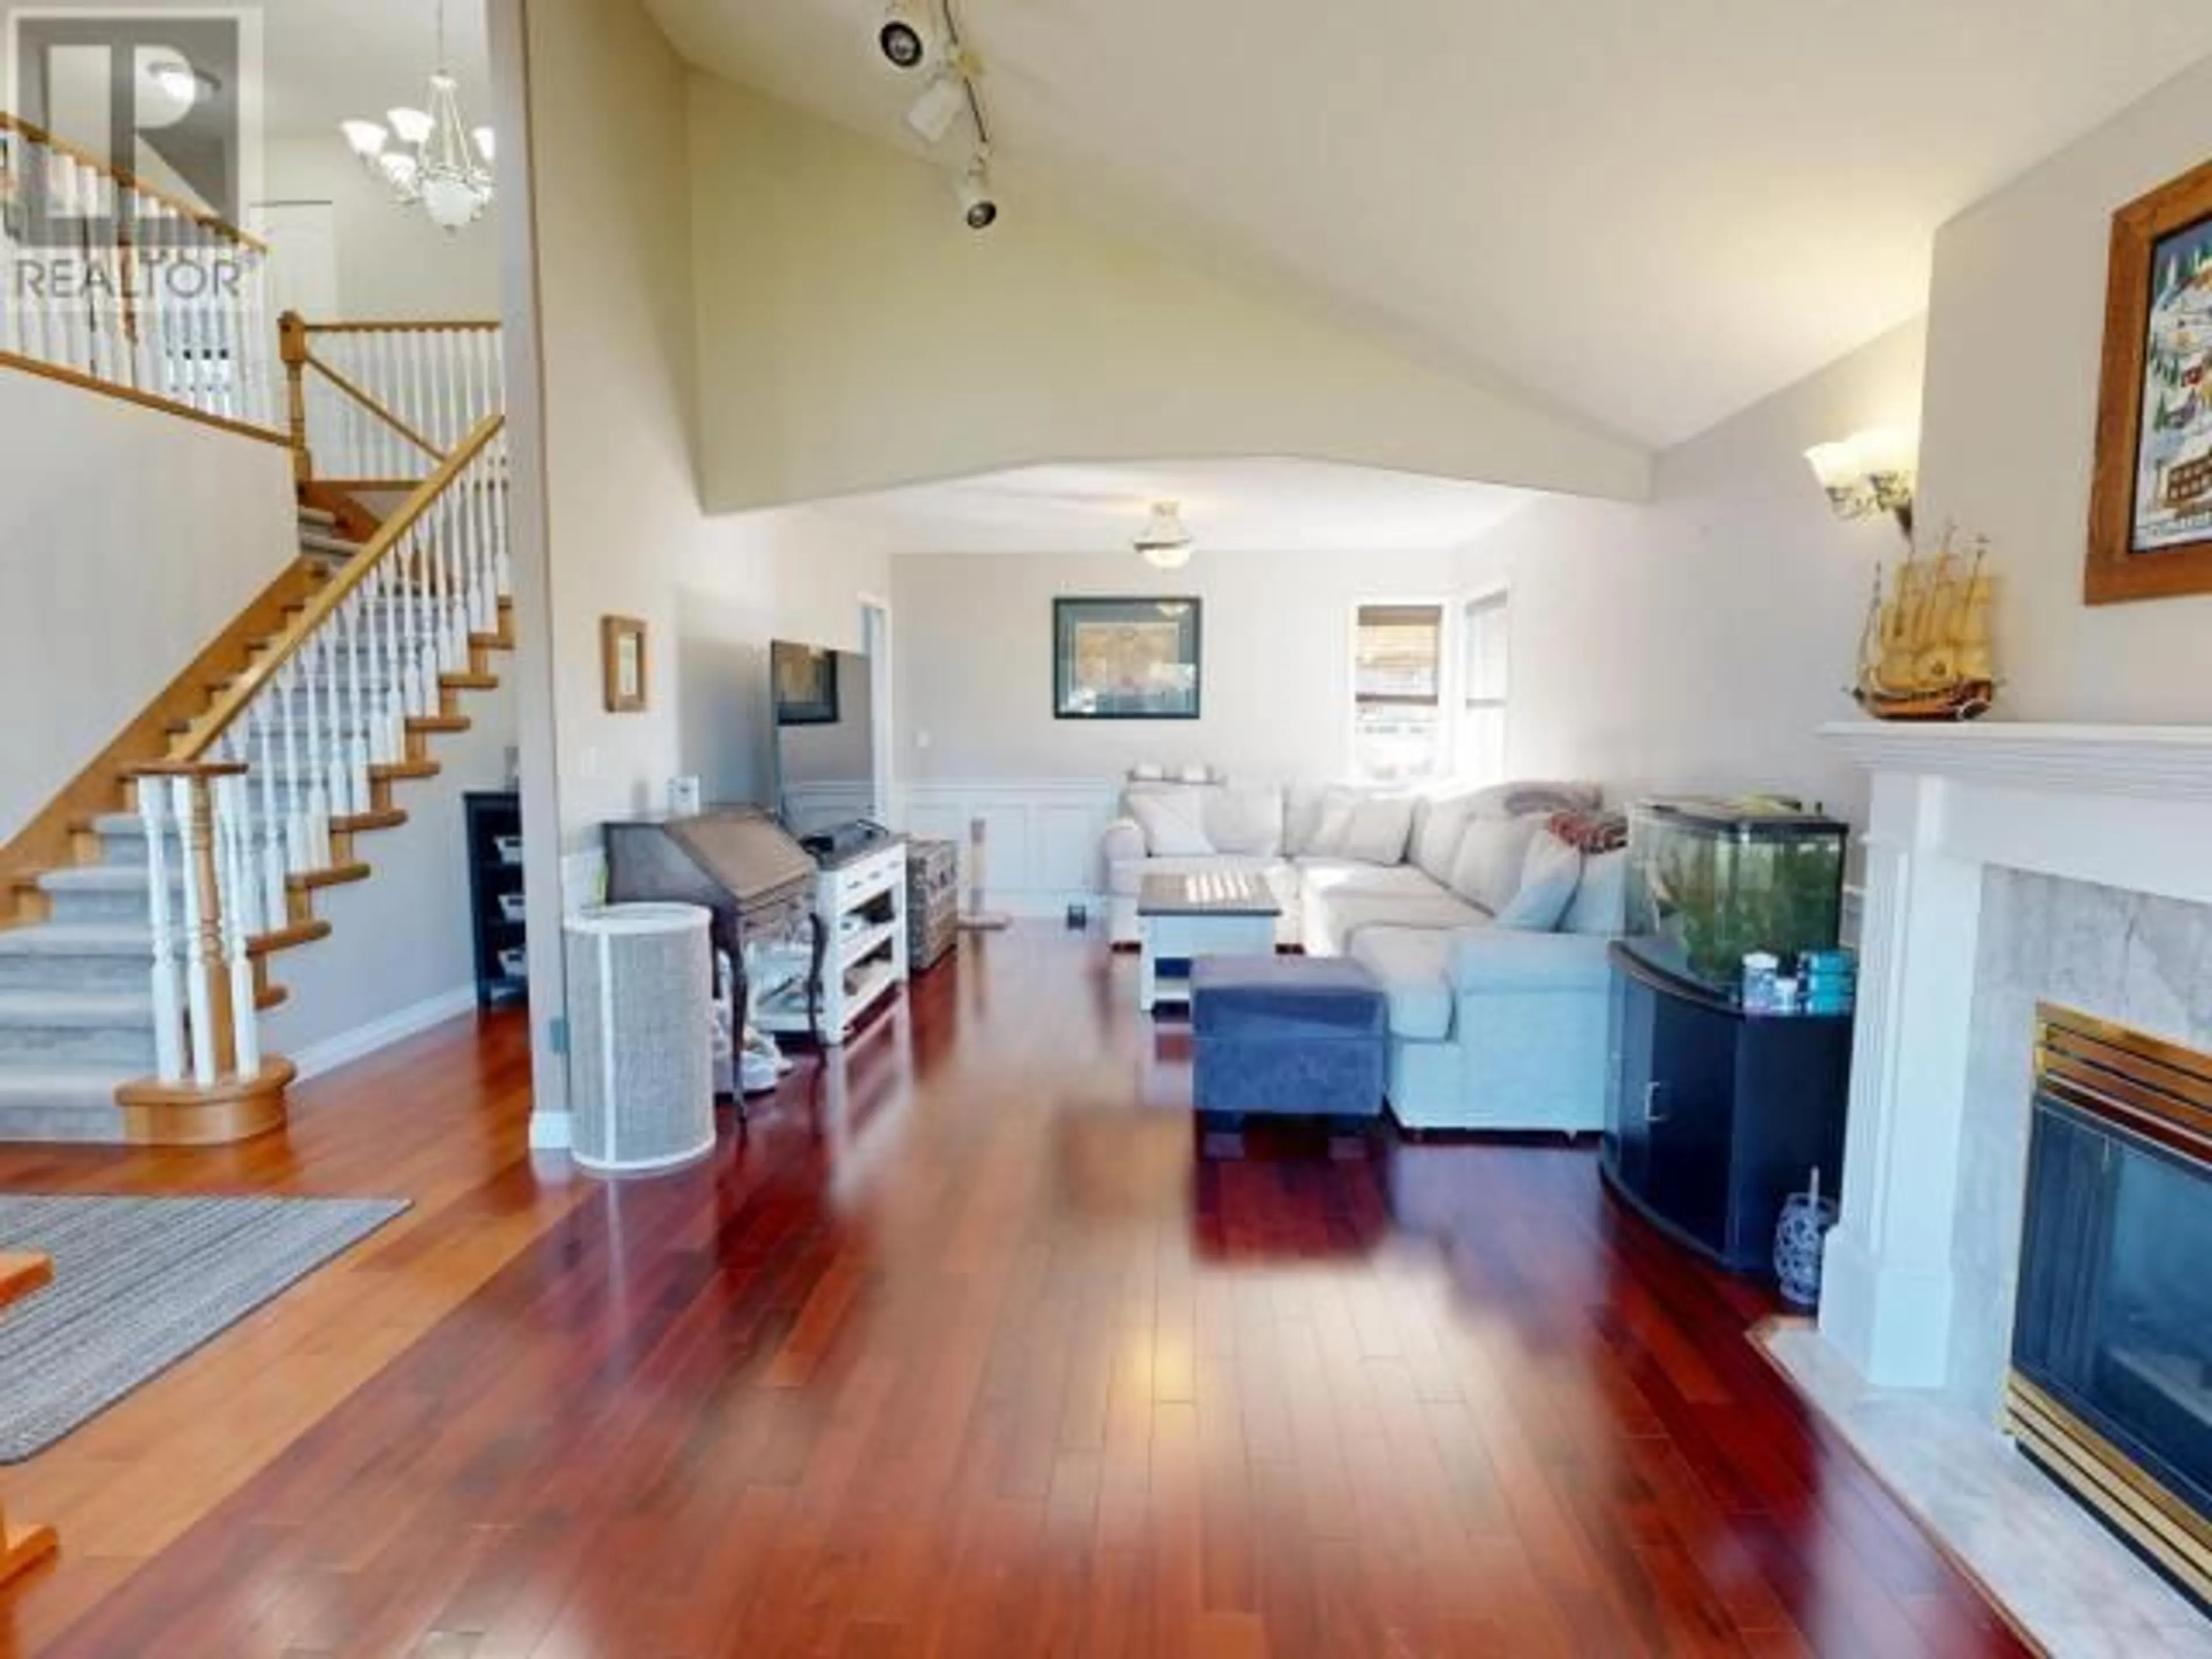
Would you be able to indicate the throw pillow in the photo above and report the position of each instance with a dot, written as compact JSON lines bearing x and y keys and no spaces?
{"x":1246,"y":820}
{"x":1601,"y":904}
{"x":1514,"y":800}
{"x":1487,"y":871}
{"x":1438,"y":824}
{"x":1591,"y":832}
{"x":1549,"y":876}
{"x":1378,"y":829}
{"x":1174,"y":822}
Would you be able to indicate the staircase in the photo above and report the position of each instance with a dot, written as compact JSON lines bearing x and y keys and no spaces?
{"x":143,"y":909}
{"x":77,"y":1019}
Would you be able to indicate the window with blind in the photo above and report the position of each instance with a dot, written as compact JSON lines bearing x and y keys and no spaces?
{"x":1398,"y":692}
{"x":1486,"y":681}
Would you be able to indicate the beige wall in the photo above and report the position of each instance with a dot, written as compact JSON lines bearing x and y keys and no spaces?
{"x":855,"y":334}
{"x":628,"y":533}
{"x":393,"y":264}
{"x":2015,"y":331}
{"x":1696,"y":642}
{"x":129,"y":540}
{"x":974,"y":655}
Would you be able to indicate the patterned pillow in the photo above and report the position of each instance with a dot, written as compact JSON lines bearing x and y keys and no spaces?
{"x":1591,"y":832}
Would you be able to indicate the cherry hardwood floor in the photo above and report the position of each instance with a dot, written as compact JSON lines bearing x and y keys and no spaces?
{"x":963,"y":1347}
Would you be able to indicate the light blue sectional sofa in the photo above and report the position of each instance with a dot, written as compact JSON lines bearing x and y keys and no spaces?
{"x":1487,"y":934}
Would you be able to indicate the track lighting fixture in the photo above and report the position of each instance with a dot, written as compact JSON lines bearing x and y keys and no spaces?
{"x":979,"y":206}
{"x":937,"y":108}
{"x":901,"y":36}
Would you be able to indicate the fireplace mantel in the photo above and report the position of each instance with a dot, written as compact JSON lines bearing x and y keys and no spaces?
{"x":2168,"y":763}
{"x":2123,"y":807}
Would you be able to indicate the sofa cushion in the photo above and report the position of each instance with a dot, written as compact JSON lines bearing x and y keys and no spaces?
{"x":1246,"y":819}
{"x":1601,"y":902}
{"x":1173,"y":821}
{"x":1378,"y":828}
{"x":1333,"y":918}
{"x":1320,"y":875}
{"x":1439,"y":821}
{"x":1549,"y":875}
{"x":1413,"y":965}
{"x":1487,"y":871}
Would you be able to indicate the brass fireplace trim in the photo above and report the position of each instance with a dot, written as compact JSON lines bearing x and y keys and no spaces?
{"x":2105,"y":1479}
{"x":2155,"y":1089}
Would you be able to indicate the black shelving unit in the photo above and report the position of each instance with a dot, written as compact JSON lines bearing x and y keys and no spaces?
{"x":1718,"y":1115}
{"x":495,"y":817}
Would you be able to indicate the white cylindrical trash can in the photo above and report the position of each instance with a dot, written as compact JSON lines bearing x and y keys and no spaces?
{"x":641,"y":1034}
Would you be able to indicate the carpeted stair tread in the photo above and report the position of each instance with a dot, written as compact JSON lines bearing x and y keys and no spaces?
{"x":63,"y":1088}
{"x":28,"y":1008}
{"x":317,"y":542}
{"x":80,"y":938}
{"x":105,"y":878}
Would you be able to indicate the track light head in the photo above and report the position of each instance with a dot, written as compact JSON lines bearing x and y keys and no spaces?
{"x":979,"y":204}
{"x":901,"y":37}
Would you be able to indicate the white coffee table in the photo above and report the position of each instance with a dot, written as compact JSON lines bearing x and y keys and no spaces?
{"x":1181,"y":918}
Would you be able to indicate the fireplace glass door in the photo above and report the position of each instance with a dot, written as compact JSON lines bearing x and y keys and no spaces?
{"x":2115,"y":1317}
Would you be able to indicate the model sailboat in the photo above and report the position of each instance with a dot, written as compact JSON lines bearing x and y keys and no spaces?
{"x":1925,"y":653}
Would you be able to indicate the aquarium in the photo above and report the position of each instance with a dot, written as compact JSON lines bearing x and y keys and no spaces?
{"x":1711,"y":881}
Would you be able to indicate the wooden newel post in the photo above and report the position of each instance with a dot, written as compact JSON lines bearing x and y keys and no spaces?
{"x":292,"y":339}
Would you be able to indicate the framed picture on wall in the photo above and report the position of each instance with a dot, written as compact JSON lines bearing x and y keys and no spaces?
{"x":1125,"y":659}
{"x":623,"y":664}
{"x":805,"y":680}
{"x":2150,"y":516}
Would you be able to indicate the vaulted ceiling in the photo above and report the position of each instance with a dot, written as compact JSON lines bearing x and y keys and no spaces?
{"x":1649,"y":213}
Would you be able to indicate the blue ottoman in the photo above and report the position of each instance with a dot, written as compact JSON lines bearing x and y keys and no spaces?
{"x":1286,"y":1035}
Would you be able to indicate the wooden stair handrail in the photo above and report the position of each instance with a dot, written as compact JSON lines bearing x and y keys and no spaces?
{"x":130,"y":181}
{"x":225,"y":708}
{"x":440,"y":326}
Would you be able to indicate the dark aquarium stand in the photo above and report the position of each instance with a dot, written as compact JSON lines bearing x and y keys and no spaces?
{"x":494,"y":822}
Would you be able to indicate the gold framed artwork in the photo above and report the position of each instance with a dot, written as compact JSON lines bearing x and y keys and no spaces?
{"x":2150,"y":513}
{"x":1126,"y":659}
{"x":623,"y":664}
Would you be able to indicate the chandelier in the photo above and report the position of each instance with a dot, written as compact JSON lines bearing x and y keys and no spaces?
{"x":430,"y":159}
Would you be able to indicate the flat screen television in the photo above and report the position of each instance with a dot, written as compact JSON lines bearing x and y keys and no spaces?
{"x":825,"y":737}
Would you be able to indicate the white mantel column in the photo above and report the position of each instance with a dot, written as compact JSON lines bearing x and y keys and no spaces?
{"x":1886,"y":1301}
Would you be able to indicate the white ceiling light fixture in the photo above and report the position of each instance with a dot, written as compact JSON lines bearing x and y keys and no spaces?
{"x":979,"y":203}
{"x":941,"y":104}
{"x":436,"y":162}
{"x":951,"y":92}
{"x":1165,"y":543}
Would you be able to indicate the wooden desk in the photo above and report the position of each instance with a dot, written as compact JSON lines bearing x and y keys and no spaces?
{"x":22,"y":1546}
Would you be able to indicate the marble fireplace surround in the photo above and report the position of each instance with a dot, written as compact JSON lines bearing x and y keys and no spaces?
{"x":1957,"y":812}
{"x":2005,"y":864}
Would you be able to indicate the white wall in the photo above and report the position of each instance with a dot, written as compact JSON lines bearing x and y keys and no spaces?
{"x":400,"y":942}
{"x":973,"y":661}
{"x":393,"y":264}
{"x":855,"y":334}
{"x":2016,"y":334}
{"x":1695,"y":642}
{"x":131,"y":539}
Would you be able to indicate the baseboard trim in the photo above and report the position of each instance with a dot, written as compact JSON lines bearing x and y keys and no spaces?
{"x":395,"y":1027}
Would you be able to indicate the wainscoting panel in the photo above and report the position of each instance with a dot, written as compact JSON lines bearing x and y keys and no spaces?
{"x":1043,"y":853}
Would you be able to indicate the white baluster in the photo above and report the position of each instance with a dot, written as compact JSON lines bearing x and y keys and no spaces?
{"x":297,"y":846}
{"x":273,"y":839}
{"x":318,"y":746}
{"x":198,"y":956}
{"x":503,"y":565}
{"x":237,"y":884}
{"x":392,"y":729}
{"x":483,"y":608}
{"x":360,"y":641}
{"x":155,"y":799}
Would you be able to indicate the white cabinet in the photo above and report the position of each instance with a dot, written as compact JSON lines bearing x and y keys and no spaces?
{"x":860,"y":903}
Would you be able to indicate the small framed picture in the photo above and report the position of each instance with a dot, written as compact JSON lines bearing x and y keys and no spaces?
{"x":622,"y":664}
{"x":1125,"y":659}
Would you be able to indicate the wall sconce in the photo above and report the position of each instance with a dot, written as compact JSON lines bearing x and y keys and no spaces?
{"x":1869,"y":473}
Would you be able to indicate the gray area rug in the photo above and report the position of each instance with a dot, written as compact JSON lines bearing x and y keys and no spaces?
{"x":141,"y":1282}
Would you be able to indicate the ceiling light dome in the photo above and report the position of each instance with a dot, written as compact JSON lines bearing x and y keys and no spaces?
{"x":1165,"y":543}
